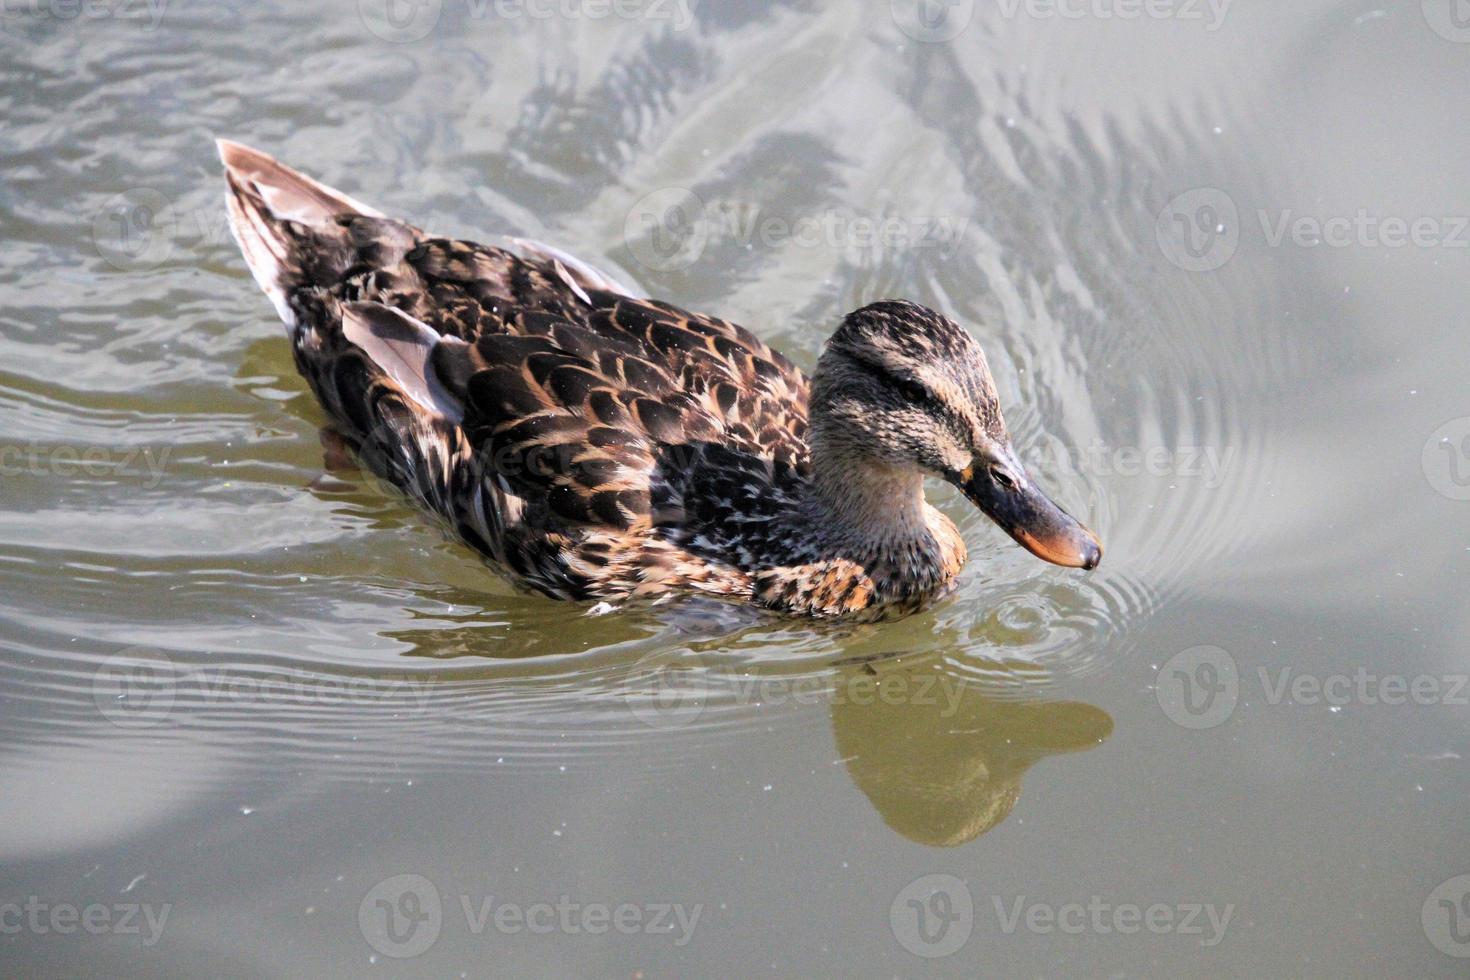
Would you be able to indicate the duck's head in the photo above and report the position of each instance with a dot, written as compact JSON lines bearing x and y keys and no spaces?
{"x":902,"y":388}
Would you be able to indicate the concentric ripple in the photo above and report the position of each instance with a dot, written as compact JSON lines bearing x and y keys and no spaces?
{"x":173,"y":542}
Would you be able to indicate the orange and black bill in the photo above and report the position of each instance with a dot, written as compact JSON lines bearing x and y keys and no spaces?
{"x":1032,"y":518}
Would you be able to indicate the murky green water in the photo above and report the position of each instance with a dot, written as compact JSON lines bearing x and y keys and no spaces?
{"x":1218,"y":256}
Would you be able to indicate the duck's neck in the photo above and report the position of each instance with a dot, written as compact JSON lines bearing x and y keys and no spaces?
{"x":867,"y":502}
{"x":876,"y":515}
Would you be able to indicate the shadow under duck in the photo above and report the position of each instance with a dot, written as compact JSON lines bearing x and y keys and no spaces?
{"x":599,"y":445}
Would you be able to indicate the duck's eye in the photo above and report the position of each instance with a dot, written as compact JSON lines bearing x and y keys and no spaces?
{"x":1002,"y":478}
{"x":913,"y":391}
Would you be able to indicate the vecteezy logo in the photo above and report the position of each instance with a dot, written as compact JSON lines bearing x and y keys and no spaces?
{"x":933,"y":916}
{"x":1199,"y":230}
{"x":1450,"y":19}
{"x":667,"y":693}
{"x":134,"y":230}
{"x":667,"y":230}
{"x":401,"y":916}
{"x":1446,"y":917}
{"x":400,"y":21}
{"x":1198,"y":687}
{"x":136,"y":687}
{"x":932,"y":21}
{"x":1446,"y":459}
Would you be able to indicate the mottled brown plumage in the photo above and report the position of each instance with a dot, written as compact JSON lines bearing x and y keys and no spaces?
{"x":600,"y":445}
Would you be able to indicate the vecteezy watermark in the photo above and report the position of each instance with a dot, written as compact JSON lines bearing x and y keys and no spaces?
{"x":670,"y":228}
{"x":1446,"y":459}
{"x":400,"y":21}
{"x":1211,"y":13}
{"x":1207,"y":464}
{"x":1099,"y":917}
{"x":934,"y":916}
{"x":406,"y":21}
{"x":1450,"y":19}
{"x":1364,"y":229}
{"x":932,"y":21}
{"x":403,"y":916}
{"x":139,"y":229}
{"x":1200,"y":688}
{"x":39,"y":917}
{"x":139,"y":687}
{"x":1446,"y":917}
{"x":667,"y":229}
{"x":669,"y":693}
{"x":1200,"y":230}
{"x":35,"y":459}
{"x":148,"y":13}
{"x":135,"y":230}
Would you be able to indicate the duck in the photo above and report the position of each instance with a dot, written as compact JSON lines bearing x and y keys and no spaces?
{"x":600,"y":446}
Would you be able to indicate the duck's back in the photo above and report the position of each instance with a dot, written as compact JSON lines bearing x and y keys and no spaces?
{"x":596,"y":443}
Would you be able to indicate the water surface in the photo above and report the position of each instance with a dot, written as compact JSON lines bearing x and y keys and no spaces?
{"x":1218,"y":259}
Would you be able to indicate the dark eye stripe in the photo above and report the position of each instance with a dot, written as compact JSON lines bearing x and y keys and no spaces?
{"x":915,"y":391}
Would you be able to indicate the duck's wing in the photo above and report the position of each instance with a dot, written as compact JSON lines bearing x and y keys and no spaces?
{"x":611,"y":425}
{"x":597,"y":384}
{"x":595,"y":407}
{"x":598,"y":405}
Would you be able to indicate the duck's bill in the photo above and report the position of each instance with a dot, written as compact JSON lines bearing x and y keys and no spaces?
{"x":1036,"y":522}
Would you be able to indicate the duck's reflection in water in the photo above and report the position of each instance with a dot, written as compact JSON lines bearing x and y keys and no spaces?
{"x":941,"y":756}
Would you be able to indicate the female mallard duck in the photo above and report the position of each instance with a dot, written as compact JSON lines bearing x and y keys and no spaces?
{"x":601,"y":445}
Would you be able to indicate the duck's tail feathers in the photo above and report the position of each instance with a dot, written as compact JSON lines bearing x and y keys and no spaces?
{"x":265,"y":195}
{"x":289,"y":194}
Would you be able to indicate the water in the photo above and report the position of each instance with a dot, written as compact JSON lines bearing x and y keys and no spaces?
{"x":1218,"y":257}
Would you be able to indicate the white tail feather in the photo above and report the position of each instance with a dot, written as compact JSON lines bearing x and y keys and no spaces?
{"x":264,"y":252}
{"x":263,"y":193}
{"x":289,"y":194}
